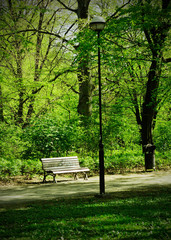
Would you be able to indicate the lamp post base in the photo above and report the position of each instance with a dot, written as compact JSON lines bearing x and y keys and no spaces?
{"x":101,"y":162}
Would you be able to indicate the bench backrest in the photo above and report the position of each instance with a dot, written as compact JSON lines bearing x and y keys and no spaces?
{"x":61,"y":162}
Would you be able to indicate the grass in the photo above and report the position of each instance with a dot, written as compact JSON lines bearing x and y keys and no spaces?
{"x":136,"y":215}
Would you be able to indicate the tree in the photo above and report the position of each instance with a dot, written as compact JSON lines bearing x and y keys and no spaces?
{"x":140,"y":41}
{"x":31,"y":56}
{"x":156,"y":37}
{"x":83,"y":71}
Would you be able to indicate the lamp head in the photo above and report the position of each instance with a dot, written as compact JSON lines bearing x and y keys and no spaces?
{"x":97,"y":24}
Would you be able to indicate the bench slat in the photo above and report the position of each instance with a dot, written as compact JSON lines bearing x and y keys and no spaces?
{"x":58,"y":159}
{"x":61,"y":168}
{"x":71,"y":171}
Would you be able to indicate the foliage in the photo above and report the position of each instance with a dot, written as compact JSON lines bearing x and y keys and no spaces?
{"x":116,"y":161}
{"x":49,"y":63}
{"x":9,"y":167}
{"x":163,"y":136}
{"x":134,"y":45}
{"x":31,"y":60}
{"x":124,"y":160}
{"x":11,"y":145}
{"x":132,"y":216}
{"x":21,"y":149}
{"x":120,"y":132}
{"x":49,"y":137}
{"x":30,"y":167}
{"x":163,"y":160}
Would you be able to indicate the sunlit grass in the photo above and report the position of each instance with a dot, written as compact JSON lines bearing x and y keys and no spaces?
{"x":138,"y":217}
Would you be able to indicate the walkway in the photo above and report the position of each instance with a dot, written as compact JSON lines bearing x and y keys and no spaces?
{"x":17,"y":195}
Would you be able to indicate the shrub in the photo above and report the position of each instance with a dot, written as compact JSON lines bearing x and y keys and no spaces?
{"x":123,"y":160}
{"x":10,"y":167}
{"x":11,"y":149}
{"x":162,"y":136}
{"x":47,"y":135}
{"x":11,"y":145}
{"x":31,"y":166}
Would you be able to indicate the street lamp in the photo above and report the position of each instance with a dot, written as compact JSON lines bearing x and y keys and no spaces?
{"x":97,"y":24}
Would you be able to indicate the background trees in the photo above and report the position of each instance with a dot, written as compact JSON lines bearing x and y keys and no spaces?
{"x":48,"y":71}
{"x":32,"y":53}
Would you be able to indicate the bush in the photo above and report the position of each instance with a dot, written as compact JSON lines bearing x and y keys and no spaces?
{"x":91,"y":162}
{"x":11,"y":150}
{"x":11,"y":145}
{"x":115,"y":161}
{"x":163,"y":159}
{"x":162,"y":136}
{"x":123,"y":160}
{"x":47,"y":136}
{"x":31,"y":167}
{"x":10,"y":167}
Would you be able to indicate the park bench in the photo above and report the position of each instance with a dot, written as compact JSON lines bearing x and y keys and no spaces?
{"x":62,"y":165}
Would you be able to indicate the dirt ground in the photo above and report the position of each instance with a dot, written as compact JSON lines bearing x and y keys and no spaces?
{"x":20,"y":190}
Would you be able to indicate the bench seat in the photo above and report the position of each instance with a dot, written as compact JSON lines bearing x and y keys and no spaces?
{"x":62,"y":165}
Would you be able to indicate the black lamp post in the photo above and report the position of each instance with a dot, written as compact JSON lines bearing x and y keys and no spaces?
{"x":97,"y":24}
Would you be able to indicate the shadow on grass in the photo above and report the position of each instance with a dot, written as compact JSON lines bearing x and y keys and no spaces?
{"x":143,"y":214}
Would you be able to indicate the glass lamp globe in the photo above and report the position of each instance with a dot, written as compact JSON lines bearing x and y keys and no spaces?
{"x":97,"y":24}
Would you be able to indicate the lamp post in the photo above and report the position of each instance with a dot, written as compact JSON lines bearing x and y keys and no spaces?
{"x":97,"y":24}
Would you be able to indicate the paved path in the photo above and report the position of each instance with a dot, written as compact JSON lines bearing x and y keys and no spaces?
{"x":17,"y":195}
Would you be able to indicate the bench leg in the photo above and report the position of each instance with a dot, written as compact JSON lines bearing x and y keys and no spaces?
{"x":54,"y":180}
{"x":75,"y":176}
{"x":85,"y":176}
{"x":44,"y":179}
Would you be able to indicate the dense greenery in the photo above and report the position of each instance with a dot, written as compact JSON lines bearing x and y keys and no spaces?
{"x":145,"y":216}
{"x":49,"y":85}
{"x":21,"y":149}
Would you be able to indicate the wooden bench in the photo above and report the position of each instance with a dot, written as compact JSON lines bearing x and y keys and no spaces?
{"x":62,"y":165}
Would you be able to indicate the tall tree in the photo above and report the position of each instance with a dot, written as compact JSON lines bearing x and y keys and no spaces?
{"x":31,"y":54}
{"x":156,"y":35}
{"x":141,"y":36}
{"x":83,"y":72}
{"x":1,"y":106}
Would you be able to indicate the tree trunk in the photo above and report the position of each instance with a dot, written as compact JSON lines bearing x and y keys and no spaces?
{"x":85,"y":91}
{"x":156,"y":36}
{"x":19,"y":116}
{"x":84,"y":77}
{"x":1,"y":106}
{"x":37,"y":72}
{"x":150,"y":161}
{"x":19,"y":74}
{"x":149,"y":112}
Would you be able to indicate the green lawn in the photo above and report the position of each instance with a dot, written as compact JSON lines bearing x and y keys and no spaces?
{"x":128,"y":216}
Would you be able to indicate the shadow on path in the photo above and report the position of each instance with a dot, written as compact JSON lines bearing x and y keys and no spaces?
{"x":116,"y":185}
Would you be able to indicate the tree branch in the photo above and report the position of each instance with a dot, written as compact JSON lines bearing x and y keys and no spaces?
{"x":68,"y":8}
{"x":167,"y":60}
{"x":35,"y":30}
{"x":71,"y":87}
{"x":60,"y":73}
{"x":114,"y":15}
